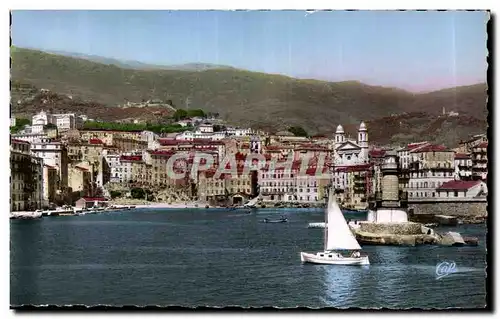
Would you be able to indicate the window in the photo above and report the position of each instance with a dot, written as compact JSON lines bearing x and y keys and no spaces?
{"x":455,"y":194}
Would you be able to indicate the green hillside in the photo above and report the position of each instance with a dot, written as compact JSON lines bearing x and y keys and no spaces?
{"x":242,"y":97}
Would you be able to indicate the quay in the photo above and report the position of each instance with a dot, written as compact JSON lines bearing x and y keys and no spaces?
{"x":67,"y":211}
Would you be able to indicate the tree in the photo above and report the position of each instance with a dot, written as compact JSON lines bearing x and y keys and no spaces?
{"x":180,"y":114}
{"x":298,"y":131}
{"x":137,"y":193}
{"x":115,"y":194}
{"x":196,"y":113}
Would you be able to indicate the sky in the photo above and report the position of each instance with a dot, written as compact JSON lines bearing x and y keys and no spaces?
{"x":412,"y":50}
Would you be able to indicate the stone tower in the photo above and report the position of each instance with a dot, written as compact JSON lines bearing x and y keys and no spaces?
{"x":363,"y":141}
{"x":389,"y":208}
{"x":339,"y":136}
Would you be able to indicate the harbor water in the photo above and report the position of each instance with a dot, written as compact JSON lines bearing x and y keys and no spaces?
{"x":198,"y":257}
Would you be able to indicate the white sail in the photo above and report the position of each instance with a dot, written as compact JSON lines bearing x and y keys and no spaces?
{"x":338,"y":235}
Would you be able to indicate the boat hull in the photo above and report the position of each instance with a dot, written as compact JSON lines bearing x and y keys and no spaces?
{"x":324,"y":258}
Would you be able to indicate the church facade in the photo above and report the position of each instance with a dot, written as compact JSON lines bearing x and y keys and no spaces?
{"x":351,"y":173}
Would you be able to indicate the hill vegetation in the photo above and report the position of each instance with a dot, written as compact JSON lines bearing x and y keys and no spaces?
{"x":241,"y":97}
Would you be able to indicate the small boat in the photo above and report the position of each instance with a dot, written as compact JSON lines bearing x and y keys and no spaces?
{"x":281,"y":220}
{"x":338,"y":239}
{"x":316,"y":225}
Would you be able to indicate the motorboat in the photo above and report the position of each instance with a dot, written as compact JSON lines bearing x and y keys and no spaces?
{"x":339,"y":240}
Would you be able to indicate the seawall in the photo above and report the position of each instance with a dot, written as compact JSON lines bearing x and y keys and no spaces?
{"x":456,"y":208}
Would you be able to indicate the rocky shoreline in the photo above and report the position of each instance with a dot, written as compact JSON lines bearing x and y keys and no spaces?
{"x":407,"y":234}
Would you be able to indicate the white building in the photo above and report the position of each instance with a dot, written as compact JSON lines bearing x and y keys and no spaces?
{"x":30,"y":137}
{"x":189,"y":136}
{"x":42,"y":118}
{"x":12,"y":121}
{"x":206,"y":128}
{"x":65,"y":122}
{"x":151,"y":138}
{"x":53,"y":154}
{"x":426,"y":174}
{"x":115,"y":167}
{"x":462,"y":189}
{"x":463,"y":166}
{"x":404,"y":153}
{"x":350,"y":152}
{"x":290,"y":186}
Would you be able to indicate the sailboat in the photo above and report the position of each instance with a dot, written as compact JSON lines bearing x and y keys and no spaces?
{"x":338,"y":238}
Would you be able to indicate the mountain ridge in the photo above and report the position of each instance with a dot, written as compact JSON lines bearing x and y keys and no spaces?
{"x":241,"y":97}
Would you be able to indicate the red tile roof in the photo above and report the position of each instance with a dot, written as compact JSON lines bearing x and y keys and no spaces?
{"x":462,"y":156}
{"x":93,"y":199}
{"x":353,"y":168}
{"x":131,"y":158}
{"x":161,"y":152}
{"x":412,"y":146}
{"x":458,"y":185}
{"x":377,"y":153}
{"x":432,"y":148}
{"x":81,"y":168}
{"x":204,"y":141}
{"x":19,"y":141}
{"x":110,"y":130}
{"x":482,"y":144}
{"x":95,"y":141}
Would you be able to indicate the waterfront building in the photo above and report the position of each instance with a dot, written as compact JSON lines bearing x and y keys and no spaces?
{"x":130,"y":165}
{"x":80,"y":180}
{"x":291,"y":185}
{"x":353,"y":184}
{"x":225,"y":188}
{"x":113,"y":164}
{"x":26,"y":177}
{"x":463,"y":166}
{"x":480,"y":161}
{"x":462,"y":189}
{"x":55,"y":154}
{"x":430,"y":167}
{"x":50,"y":182}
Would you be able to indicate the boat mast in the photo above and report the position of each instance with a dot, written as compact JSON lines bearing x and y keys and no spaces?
{"x":325,"y":242}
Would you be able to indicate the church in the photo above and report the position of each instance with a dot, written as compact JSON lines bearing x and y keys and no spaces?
{"x":349,"y":152}
{"x":351,"y":162}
